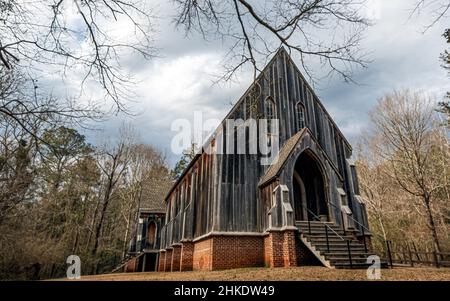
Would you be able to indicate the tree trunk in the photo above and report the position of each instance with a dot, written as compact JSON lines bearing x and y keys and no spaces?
{"x":431,"y":224}
{"x":127,"y":230}
{"x":98,"y":228}
{"x":94,"y":217}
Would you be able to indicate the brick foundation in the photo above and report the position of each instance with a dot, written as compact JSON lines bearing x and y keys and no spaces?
{"x":162,"y":261}
{"x":176,"y":256}
{"x":228,"y":252}
{"x":273,"y":244}
{"x":280,"y":249}
{"x":231,"y":252}
{"x":289,"y":251}
{"x":218,"y":252}
{"x":187,"y":256}
{"x":168,"y":261}
{"x":131,"y":266}
{"x":202,"y":255}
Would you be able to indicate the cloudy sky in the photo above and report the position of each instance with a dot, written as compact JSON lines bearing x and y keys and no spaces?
{"x":180,"y":80}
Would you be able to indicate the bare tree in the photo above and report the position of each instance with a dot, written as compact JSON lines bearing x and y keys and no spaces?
{"x":409,"y":141}
{"x":76,"y":36}
{"x":23,"y":105}
{"x":16,"y":172}
{"x":374,"y":187}
{"x":438,"y":10}
{"x":147,"y":168}
{"x":329,"y":30}
{"x":113,"y":165}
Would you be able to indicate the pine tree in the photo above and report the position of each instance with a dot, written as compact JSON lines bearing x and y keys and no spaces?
{"x":184,"y":161}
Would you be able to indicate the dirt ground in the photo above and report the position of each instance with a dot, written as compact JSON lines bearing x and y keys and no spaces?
{"x":298,"y":273}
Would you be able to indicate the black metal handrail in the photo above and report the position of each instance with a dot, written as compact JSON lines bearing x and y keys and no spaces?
{"x":318,"y":219}
{"x":387,"y":242}
{"x":349,"y":251}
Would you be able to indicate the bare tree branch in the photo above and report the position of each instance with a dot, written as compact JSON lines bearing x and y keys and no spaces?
{"x":77,"y":35}
{"x":438,"y":10}
{"x":263,"y":27}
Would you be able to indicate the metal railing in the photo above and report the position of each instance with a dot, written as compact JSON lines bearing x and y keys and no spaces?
{"x":363,"y":228}
{"x":326,"y":227}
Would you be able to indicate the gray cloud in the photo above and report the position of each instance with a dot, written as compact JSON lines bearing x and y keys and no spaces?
{"x":180,"y":81}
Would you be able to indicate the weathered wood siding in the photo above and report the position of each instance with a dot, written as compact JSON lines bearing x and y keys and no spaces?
{"x":220,"y":192}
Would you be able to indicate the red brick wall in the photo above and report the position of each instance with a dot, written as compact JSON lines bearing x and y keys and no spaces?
{"x":131,"y":266}
{"x":228,"y":252}
{"x":168,"y":265}
{"x":289,"y":251}
{"x":267,"y":243}
{"x":237,"y":251}
{"x":162,"y":261}
{"x":202,"y":255}
{"x":187,"y":256}
{"x":280,"y":249}
{"x":176,"y":256}
{"x":273,"y":250}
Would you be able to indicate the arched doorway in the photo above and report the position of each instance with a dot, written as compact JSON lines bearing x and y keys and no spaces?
{"x":309,"y":190}
{"x":151,"y":235}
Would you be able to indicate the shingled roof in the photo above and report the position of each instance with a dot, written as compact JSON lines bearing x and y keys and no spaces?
{"x":283,"y":155}
{"x":153,"y":195}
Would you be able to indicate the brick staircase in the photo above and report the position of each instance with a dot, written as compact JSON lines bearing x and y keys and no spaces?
{"x":343,"y":250}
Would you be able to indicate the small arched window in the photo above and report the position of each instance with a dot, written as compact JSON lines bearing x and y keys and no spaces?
{"x":300,"y":116}
{"x":151,"y":234}
{"x":270,"y":113}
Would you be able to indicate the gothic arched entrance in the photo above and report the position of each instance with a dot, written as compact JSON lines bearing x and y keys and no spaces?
{"x":309,"y":189}
{"x":151,"y":234}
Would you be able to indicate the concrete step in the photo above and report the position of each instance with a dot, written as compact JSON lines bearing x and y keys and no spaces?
{"x":324,"y":249}
{"x":354,"y":265}
{"x":320,"y":232}
{"x":313,"y":223}
{"x":347,"y":258}
{"x":346,"y":265}
{"x":343,"y":254}
{"x":333,"y":238}
{"x":337,"y":243}
{"x":318,"y":226}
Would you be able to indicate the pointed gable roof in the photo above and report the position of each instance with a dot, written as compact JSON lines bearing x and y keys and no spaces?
{"x":280,"y":53}
{"x":153,"y":195}
{"x":285,"y":152}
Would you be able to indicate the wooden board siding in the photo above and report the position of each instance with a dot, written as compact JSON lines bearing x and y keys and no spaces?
{"x":223,"y":195}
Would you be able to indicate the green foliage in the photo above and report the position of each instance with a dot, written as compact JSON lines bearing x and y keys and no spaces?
{"x":184,"y":161}
{"x":52,"y":198}
{"x":63,"y":142}
{"x":16,"y":176}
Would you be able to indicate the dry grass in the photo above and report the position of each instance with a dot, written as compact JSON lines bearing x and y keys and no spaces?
{"x":298,"y":273}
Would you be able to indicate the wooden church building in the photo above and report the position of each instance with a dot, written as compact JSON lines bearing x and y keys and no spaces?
{"x":230,"y":211}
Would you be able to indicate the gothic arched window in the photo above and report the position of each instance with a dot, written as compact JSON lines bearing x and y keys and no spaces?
{"x":270,"y":113}
{"x":300,"y":116}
